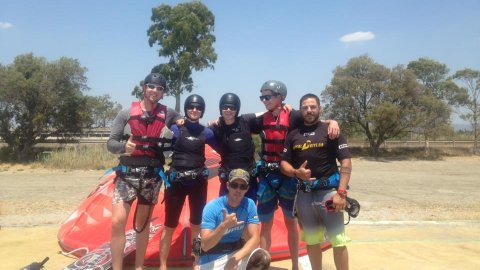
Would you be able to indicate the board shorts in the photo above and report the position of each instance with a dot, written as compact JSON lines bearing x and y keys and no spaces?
{"x":129,"y":186}
{"x":316,"y":222}
{"x":274,"y":190}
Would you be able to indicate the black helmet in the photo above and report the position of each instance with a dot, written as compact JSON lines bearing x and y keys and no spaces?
{"x":230,"y":99}
{"x":194,"y":100}
{"x":277,"y":87}
{"x":157,"y":79}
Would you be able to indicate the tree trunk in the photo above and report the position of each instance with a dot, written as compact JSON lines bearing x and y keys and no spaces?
{"x":177,"y":103}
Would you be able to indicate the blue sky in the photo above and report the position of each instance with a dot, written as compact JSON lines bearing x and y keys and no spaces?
{"x":297,"y":42}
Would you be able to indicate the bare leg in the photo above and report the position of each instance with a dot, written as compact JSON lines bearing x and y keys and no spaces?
{"x":315,"y":256}
{"x":117,"y":238}
{"x":195,"y":232}
{"x":293,"y":240}
{"x":165,"y":243}
{"x":143,"y":214}
{"x":266,"y":235}
{"x":340,"y":256}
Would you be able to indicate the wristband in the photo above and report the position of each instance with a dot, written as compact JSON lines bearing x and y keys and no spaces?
{"x":342,"y":192}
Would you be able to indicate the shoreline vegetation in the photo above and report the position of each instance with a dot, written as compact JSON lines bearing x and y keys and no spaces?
{"x":95,"y":156}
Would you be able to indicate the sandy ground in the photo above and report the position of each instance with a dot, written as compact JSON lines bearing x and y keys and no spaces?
{"x":415,"y":214}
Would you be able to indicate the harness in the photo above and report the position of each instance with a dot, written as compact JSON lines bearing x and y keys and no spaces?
{"x":139,"y":173}
{"x":190,"y":175}
{"x":323,"y":183}
{"x":273,"y":135}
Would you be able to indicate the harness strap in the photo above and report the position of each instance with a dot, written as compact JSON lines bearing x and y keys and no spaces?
{"x":323,"y":183}
{"x":187,"y":175}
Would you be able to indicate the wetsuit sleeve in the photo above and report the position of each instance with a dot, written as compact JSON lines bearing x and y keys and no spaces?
{"x":295,"y":119}
{"x":287,"y":148}
{"x":172,"y":116}
{"x":176,"y":132}
{"x":115,"y":143}
{"x":251,"y":120}
{"x":211,"y":140}
{"x":342,"y":148}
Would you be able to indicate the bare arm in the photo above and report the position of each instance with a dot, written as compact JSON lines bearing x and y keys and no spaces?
{"x":253,"y":236}
{"x":211,"y":238}
{"x":333,"y":128}
{"x":339,"y":201}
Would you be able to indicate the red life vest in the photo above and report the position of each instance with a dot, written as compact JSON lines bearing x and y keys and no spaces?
{"x":146,"y":130}
{"x":273,"y":135}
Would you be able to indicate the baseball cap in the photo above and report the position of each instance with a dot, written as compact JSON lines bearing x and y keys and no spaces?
{"x":239,"y":174}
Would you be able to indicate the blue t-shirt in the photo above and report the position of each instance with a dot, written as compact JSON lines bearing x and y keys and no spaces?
{"x":212,"y":216}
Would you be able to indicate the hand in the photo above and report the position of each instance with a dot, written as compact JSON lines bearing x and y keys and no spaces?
{"x":333,"y":129}
{"x":339,"y":203}
{"x":230,"y":220}
{"x":231,"y":264}
{"x":180,"y":122}
{"x":288,"y":107}
{"x":213,"y":122}
{"x":129,"y":146}
{"x":304,"y":173}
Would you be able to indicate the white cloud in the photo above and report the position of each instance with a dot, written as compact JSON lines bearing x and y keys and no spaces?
{"x":357,"y":36}
{"x":5,"y":25}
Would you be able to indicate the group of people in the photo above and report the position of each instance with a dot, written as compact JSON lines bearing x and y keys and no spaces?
{"x":297,"y":171}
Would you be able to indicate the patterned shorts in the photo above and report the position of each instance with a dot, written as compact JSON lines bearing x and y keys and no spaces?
{"x":132,"y":185}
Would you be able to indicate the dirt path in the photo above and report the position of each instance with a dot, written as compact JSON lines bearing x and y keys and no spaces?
{"x":415,"y":214}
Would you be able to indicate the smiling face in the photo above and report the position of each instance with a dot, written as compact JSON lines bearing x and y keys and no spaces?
{"x":194,"y":112}
{"x":153,"y":92}
{"x":310,"y":111}
{"x":271,"y":100}
{"x":228,"y":113}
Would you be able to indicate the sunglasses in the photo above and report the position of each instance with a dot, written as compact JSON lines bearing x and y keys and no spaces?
{"x":153,"y":86}
{"x":192,"y":107}
{"x":237,"y":185}
{"x":266,"y":97}
{"x":228,"y":107}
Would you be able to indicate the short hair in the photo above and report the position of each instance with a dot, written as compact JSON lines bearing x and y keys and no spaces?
{"x":309,"y":95}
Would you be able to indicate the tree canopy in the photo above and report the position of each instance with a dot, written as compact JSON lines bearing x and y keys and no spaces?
{"x":381,"y":102}
{"x":470,"y":79}
{"x":184,"y":34}
{"x":40,"y":99}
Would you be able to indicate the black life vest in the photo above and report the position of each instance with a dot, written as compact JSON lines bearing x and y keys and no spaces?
{"x":189,"y":148}
{"x":236,"y":145}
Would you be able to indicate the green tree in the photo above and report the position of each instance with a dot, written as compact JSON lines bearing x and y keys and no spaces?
{"x":381,"y":102}
{"x":470,"y":79}
{"x":39,"y":99}
{"x":102,"y":110}
{"x":439,"y":93}
{"x":185,"y":36}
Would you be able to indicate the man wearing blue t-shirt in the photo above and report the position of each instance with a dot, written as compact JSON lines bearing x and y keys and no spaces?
{"x":230,"y":233}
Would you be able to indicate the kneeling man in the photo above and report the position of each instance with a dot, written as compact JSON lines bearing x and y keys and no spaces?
{"x":230,"y":233}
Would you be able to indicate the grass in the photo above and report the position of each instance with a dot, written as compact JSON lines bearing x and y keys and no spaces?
{"x":78,"y":157}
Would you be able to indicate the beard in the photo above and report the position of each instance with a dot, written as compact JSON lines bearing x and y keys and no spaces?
{"x":311,"y":118}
